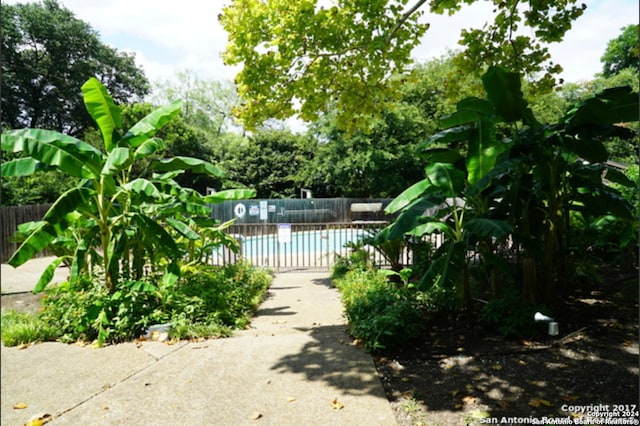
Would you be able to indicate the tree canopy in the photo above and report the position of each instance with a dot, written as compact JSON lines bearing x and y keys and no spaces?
{"x":269,"y":161}
{"x":622,"y":52}
{"x":309,"y":57}
{"x":47,"y":54}
{"x":207,"y":104}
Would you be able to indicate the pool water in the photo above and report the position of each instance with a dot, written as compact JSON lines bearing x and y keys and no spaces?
{"x":304,"y":242}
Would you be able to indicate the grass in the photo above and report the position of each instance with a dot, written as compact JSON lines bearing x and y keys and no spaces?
{"x":20,"y":328}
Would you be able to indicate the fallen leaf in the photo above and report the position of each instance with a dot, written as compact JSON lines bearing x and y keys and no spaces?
{"x":405,"y":379}
{"x":521,"y":362}
{"x":407,"y":394}
{"x":397,"y":366}
{"x":39,"y":420}
{"x":537,"y":403}
{"x":336,"y":405}
{"x":616,"y":324}
{"x":468,"y":399}
{"x":502,"y":404}
{"x":20,"y":406}
{"x":545,"y":403}
{"x":569,"y":398}
{"x":497,"y":367}
{"x":291,"y":399}
{"x":255,"y":416}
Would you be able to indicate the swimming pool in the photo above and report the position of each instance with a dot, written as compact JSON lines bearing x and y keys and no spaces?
{"x":308,"y":246}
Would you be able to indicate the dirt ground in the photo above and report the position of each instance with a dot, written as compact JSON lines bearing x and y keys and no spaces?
{"x":460,"y":374}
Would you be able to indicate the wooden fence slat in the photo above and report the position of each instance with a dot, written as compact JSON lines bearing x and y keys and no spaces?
{"x":10,"y":218}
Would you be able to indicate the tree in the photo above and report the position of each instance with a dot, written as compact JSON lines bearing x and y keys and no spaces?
{"x":268,"y":161}
{"x":383,"y":161}
{"x":622,"y":52}
{"x":42,"y":189}
{"x":304,"y":58}
{"x":47,"y":54}
{"x":208,"y":105}
{"x":376,"y":164}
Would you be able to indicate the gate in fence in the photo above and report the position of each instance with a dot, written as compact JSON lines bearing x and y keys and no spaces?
{"x":310,"y":246}
{"x":301,"y":233}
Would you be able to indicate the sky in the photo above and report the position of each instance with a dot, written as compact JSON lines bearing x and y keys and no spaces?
{"x":171,"y":36}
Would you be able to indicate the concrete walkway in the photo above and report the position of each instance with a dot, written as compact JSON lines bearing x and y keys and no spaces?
{"x":295,"y":366}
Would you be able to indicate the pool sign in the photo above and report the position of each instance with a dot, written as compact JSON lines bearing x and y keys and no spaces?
{"x":284,"y":232}
{"x":263,"y":210}
{"x":239,"y":210}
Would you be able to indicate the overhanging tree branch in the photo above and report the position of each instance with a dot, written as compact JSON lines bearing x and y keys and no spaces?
{"x":404,"y":18}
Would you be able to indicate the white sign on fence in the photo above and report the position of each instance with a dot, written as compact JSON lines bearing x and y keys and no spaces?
{"x":284,"y":232}
{"x":263,"y":210}
{"x":239,"y":210}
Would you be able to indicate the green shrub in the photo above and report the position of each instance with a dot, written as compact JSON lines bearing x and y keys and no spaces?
{"x":229,"y":295}
{"x":205,"y":302}
{"x":438,"y":298}
{"x":357,"y":259}
{"x":422,"y":255}
{"x":511,"y":315}
{"x":380,"y":313}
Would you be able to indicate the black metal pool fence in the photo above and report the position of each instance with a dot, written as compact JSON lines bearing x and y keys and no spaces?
{"x":303,"y":234}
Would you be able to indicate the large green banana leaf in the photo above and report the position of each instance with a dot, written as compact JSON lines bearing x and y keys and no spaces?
{"x":102,"y":109}
{"x":71,"y":155}
{"x":149,"y":125}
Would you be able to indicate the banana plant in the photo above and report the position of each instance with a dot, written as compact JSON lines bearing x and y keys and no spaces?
{"x":560,"y":168}
{"x":517,"y":178}
{"x":119,"y":223}
{"x":453,"y":189}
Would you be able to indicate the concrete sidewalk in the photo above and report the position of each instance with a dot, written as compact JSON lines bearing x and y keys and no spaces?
{"x":25,"y":277}
{"x":288,"y":369}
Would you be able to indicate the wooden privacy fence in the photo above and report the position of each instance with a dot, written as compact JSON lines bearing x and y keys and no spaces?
{"x":10,"y":218}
